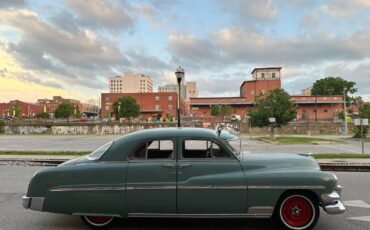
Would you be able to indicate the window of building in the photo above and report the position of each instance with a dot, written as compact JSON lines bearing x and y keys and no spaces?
{"x":107,"y":98}
{"x":170,"y":98}
{"x":252,"y":92}
{"x":262,"y":75}
{"x":325,"y":110}
{"x":157,"y":107}
{"x":154,"y":149}
{"x":169,"y":107}
{"x":107,"y":107}
{"x":156,"y":98}
{"x":273,"y":75}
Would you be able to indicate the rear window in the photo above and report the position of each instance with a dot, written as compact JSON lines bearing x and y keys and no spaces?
{"x":100,"y":151}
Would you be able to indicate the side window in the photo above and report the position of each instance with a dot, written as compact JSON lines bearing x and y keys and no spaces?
{"x":154,"y":149}
{"x":203,"y":149}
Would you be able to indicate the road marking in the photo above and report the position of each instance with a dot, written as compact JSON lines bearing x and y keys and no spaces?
{"x":360,"y":218}
{"x":356,"y":203}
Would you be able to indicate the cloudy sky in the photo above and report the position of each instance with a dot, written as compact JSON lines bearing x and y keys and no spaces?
{"x":71,"y":47}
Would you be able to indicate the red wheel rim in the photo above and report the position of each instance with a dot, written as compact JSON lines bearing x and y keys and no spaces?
{"x":297,"y":211}
{"x":99,"y":219}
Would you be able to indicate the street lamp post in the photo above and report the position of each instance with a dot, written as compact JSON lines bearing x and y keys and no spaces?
{"x":345,"y":111}
{"x":180,"y":73}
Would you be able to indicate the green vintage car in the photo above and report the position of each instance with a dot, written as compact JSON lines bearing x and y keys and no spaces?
{"x":185,"y":173}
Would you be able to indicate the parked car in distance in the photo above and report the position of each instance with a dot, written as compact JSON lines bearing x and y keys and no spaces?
{"x":235,"y":117}
{"x":182,"y":173}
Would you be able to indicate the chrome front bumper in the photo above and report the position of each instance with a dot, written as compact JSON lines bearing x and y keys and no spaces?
{"x":331,"y":203}
{"x":34,"y":203}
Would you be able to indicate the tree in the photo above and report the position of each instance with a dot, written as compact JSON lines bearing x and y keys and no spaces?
{"x":16,"y":110}
{"x":278,"y":104}
{"x":221,"y":110}
{"x":364,"y":113}
{"x":335,"y":86}
{"x":43,"y":115}
{"x":126,"y":107}
{"x":64,"y":110}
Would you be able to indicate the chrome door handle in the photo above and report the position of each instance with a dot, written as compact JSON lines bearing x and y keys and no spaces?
{"x":184,"y":165}
{"x":169,"y":165}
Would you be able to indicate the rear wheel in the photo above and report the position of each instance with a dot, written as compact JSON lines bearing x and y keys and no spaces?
{"x":98,"y":222}
{"x":297,"y":211}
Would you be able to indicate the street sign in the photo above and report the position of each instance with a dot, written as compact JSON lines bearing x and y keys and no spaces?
{"x":359,"y":122}
{"x":272,"y":119}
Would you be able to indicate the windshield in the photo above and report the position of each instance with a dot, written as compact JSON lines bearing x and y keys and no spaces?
{"x":231,"y":146}
{"x":100,"y":151}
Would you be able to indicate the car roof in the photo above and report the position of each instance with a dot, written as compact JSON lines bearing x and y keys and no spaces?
{"x":176,"y":132}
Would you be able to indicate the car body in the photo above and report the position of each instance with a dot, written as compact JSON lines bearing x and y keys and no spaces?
{"x":185,"y":172}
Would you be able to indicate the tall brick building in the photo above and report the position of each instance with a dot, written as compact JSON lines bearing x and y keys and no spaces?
{"x":152,"y":105}
{"x":309,"y":108}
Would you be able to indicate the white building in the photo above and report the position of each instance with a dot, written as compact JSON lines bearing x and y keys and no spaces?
{"x":130,"y":83}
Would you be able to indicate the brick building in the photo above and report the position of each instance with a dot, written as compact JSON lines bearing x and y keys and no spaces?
{"x":26,"y":109}
{"x":309,"y":108}
{"x":152,"y":105}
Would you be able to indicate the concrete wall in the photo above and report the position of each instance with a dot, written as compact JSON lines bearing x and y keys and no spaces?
{"x":294,"y":128}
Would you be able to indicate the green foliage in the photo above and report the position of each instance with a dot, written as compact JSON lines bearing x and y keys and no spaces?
{"x":277,"y":103}
{"x":16,"y":110}
{"x":126,"y":107}
{"x":64,"y":110}
{"x":2,"y":124}
{"x":221,"y":110}
{"x":335,"y":86}
{"x":364,"y":113}
{"x":43,"y":115}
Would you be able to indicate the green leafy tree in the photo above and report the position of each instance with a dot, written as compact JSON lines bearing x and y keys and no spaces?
{"x":64,"y":110}
{"x":126,"y":107}
{"x":364,"y":113}
{"x":221,"y":110}
{"x":335,"y":86}
{"x":278,"y":104}
{"x":43,"y":115}
{"x":16,"y":110}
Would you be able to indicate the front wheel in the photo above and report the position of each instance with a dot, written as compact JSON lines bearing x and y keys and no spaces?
{"x":297,"y":211}
{"x":98,"y":222}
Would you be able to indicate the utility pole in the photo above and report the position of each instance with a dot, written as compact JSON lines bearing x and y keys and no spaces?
{"x":345,"y":111}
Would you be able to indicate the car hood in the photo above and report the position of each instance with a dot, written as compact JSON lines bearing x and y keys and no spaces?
{"x":78,"y":160}
{"x":277,"y":162}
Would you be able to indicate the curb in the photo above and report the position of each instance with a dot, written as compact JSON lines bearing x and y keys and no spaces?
{"x":343,"y":167}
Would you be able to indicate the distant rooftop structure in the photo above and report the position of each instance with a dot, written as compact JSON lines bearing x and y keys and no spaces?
{"x":266,"y":73}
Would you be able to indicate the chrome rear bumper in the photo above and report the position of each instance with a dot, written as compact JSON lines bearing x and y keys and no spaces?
{"x":34,"y":203}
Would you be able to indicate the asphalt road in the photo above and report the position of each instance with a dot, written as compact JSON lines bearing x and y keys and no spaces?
{"x":91,"y":142}
{"x":14,"y":181}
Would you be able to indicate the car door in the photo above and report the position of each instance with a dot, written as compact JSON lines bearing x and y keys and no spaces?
{"x":210,"y":179}
{"x":151,"y":178}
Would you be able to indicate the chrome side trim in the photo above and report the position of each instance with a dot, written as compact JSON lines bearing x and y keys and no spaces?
{"x":212,"y":187}
{"x":286,"y":187}
{"x":183,"y":215}
{"x":34,"y":203}
{"x":154,"y":187}
{"x":95,"y":214}
{"x":260,"y":210}
{"x":83,"y":189}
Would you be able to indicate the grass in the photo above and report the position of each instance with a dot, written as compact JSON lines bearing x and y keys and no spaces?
{"x":340,"y":156}
{"x":290,"y":139}
{"x":43,"y":153}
